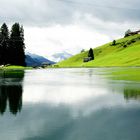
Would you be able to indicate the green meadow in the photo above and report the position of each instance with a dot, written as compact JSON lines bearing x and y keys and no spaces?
{"x":126,"y":52}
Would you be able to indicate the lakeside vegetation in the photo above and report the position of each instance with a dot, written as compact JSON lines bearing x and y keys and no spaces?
{"x":125,"y":52}
{"x":12,"y":73}
{"x":13,"y":67}
{"x":122,"y":73}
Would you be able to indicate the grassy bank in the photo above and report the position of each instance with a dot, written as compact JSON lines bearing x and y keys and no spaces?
{"x":14,"y":68}
{"x":126,"y":52}
{"x":123,"y":73}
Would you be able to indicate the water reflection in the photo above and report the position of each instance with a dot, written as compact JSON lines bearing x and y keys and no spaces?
{"x":11,"y":91}
{"x":132,"y":94}
{"x":68,"y":104}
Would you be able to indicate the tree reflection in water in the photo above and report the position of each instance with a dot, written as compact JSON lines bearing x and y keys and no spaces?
{"x":11,"y":91}
{"x":132,"y":94}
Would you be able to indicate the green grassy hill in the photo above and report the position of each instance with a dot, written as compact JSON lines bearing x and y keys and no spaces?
{"x":126,"y":52}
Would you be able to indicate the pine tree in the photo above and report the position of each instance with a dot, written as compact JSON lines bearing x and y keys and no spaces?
{"x":17,"y":45}
{"x":4,"y":43}
{"x":91,"y":54}
{"x":23,"y":46}
{"x":114,"y":42}
{"x":127,"y":33}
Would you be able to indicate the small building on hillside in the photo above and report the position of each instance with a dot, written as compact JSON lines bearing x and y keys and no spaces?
{"x":45,"y":64}
{"x":87,"y":59}
{"x":130,"y":33}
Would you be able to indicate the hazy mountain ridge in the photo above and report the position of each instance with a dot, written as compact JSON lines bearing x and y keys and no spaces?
{"x":36,"y":60}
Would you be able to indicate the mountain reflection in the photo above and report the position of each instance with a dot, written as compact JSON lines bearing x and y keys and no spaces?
{"x":11,"y":91}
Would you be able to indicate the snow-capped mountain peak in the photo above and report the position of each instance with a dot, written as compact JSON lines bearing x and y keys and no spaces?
{"x":60,"y":56}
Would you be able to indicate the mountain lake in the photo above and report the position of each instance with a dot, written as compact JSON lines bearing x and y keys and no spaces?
{"x":69,"y":104}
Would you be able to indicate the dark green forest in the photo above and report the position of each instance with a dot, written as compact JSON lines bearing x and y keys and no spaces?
{"x":12,"y":47}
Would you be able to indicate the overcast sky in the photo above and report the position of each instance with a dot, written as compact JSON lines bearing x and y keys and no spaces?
{"x":53,"y":26}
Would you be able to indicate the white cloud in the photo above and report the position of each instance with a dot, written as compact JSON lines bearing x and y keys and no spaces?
{"x":57,"y":25}
{"x":72,"y":38}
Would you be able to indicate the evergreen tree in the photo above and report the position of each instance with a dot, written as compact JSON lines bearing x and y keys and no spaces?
{"x":91,"y":54}
{"x":114,"y":42}
{"x":4,"y":39}
{"x":23,"y":46}
{"x":127,"y":33}
{"x":17,"y":45}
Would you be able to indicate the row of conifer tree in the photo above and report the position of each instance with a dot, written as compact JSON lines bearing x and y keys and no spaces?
{"x":12,"y":47}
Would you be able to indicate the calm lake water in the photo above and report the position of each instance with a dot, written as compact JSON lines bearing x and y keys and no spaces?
{"x":68,"y":104}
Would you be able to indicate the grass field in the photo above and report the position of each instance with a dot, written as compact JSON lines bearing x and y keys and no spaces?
{"x":126,"y":52}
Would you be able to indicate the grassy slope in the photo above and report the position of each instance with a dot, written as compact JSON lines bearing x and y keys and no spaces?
{"x":108,"y":55}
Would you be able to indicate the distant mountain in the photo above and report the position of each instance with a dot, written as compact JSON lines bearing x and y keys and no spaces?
{"x":60,"y":56}
{"x":36,"y":60}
